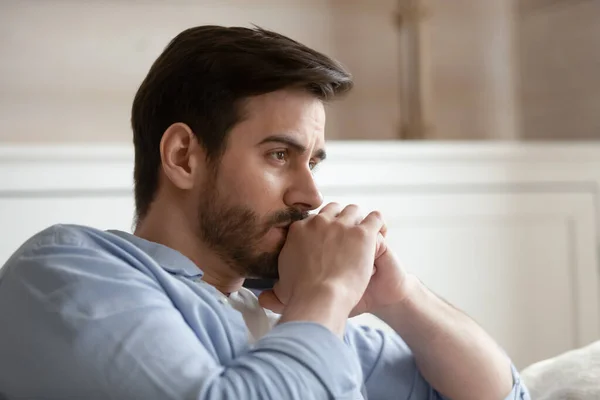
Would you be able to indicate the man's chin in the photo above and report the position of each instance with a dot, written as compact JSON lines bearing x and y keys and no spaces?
{"x":263,"y":266}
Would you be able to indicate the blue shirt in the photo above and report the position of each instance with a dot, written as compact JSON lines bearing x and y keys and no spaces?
{"x":89,"y":314}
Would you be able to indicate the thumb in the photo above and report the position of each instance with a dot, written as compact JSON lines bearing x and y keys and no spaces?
{"x":269,"y":300}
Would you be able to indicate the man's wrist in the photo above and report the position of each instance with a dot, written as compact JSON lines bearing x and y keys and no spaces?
{"x":406,"y":297}
{"x":325,"y":304}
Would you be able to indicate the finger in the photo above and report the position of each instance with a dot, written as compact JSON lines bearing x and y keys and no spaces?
{"x":373,"y":221}
{"x":384,"y":230}
{"x":351,"y":215}
{"x":268,"y":299}
{"x":381,"y":247}
{"x":331,"y":210}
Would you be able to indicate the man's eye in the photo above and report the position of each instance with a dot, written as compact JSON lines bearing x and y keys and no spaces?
{"x":312,"y":165}
{"x":280,"y":155}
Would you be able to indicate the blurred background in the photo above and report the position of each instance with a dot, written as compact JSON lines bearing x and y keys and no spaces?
{"x":424,"y":69}
{"x":472,"y":127}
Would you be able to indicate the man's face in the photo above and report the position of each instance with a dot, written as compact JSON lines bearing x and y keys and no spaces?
{"x":264,"y":181}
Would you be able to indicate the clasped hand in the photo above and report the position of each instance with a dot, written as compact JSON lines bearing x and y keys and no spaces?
{"x":337,"y":251}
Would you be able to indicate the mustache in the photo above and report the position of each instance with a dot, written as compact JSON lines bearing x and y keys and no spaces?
{"x":288,"y":216}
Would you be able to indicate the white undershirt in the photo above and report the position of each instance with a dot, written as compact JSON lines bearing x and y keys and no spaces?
{"x":258,"y":320}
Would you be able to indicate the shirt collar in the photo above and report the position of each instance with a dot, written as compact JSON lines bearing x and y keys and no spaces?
{"x":169,"y":259}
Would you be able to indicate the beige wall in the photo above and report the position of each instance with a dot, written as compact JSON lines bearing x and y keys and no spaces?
{"x":471,"y":55}
{"x":365,"y":38}
{"x":501,"y":69}
{"x":559,"y":66}
{"x":69,"y":69}
{"x":513,"y":69}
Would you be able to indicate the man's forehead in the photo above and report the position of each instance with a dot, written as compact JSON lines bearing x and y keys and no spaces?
{"x":295,"y":115}
{"x":286,"y":105}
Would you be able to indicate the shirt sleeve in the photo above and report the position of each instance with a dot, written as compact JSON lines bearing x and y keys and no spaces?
{"x":77,"y":321}
{"x":390,"y":371}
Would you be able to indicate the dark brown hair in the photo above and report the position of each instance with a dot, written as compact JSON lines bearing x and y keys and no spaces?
{"x":201,"y":79}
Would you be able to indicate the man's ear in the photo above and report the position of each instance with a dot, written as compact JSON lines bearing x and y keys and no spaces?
{"x":181,"y":155}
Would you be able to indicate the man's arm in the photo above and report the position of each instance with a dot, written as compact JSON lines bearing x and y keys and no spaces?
{"x":452,"y":352}
{"x":95,"y":322}
{"x":454,"y":355}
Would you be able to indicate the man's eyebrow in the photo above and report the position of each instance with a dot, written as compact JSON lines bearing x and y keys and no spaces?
{"x":293,"y":143}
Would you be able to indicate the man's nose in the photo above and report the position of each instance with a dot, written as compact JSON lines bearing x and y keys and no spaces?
{"x":304,"y":193}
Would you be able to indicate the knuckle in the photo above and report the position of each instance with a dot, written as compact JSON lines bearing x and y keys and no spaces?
{"x":337,"y":224}
{"x":352,"y":208}
{"x":318,"y":221}
{"x":331,"y":207}
{"x":377,"y":214}
{"x":360,"y":232}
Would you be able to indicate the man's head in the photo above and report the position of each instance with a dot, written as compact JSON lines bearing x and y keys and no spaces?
{"x":228,"y":125}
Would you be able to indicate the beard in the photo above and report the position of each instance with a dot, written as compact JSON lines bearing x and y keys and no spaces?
{"x":234,"y":233}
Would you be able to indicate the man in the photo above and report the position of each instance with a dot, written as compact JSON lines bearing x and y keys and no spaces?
{"x":228,"y":126}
